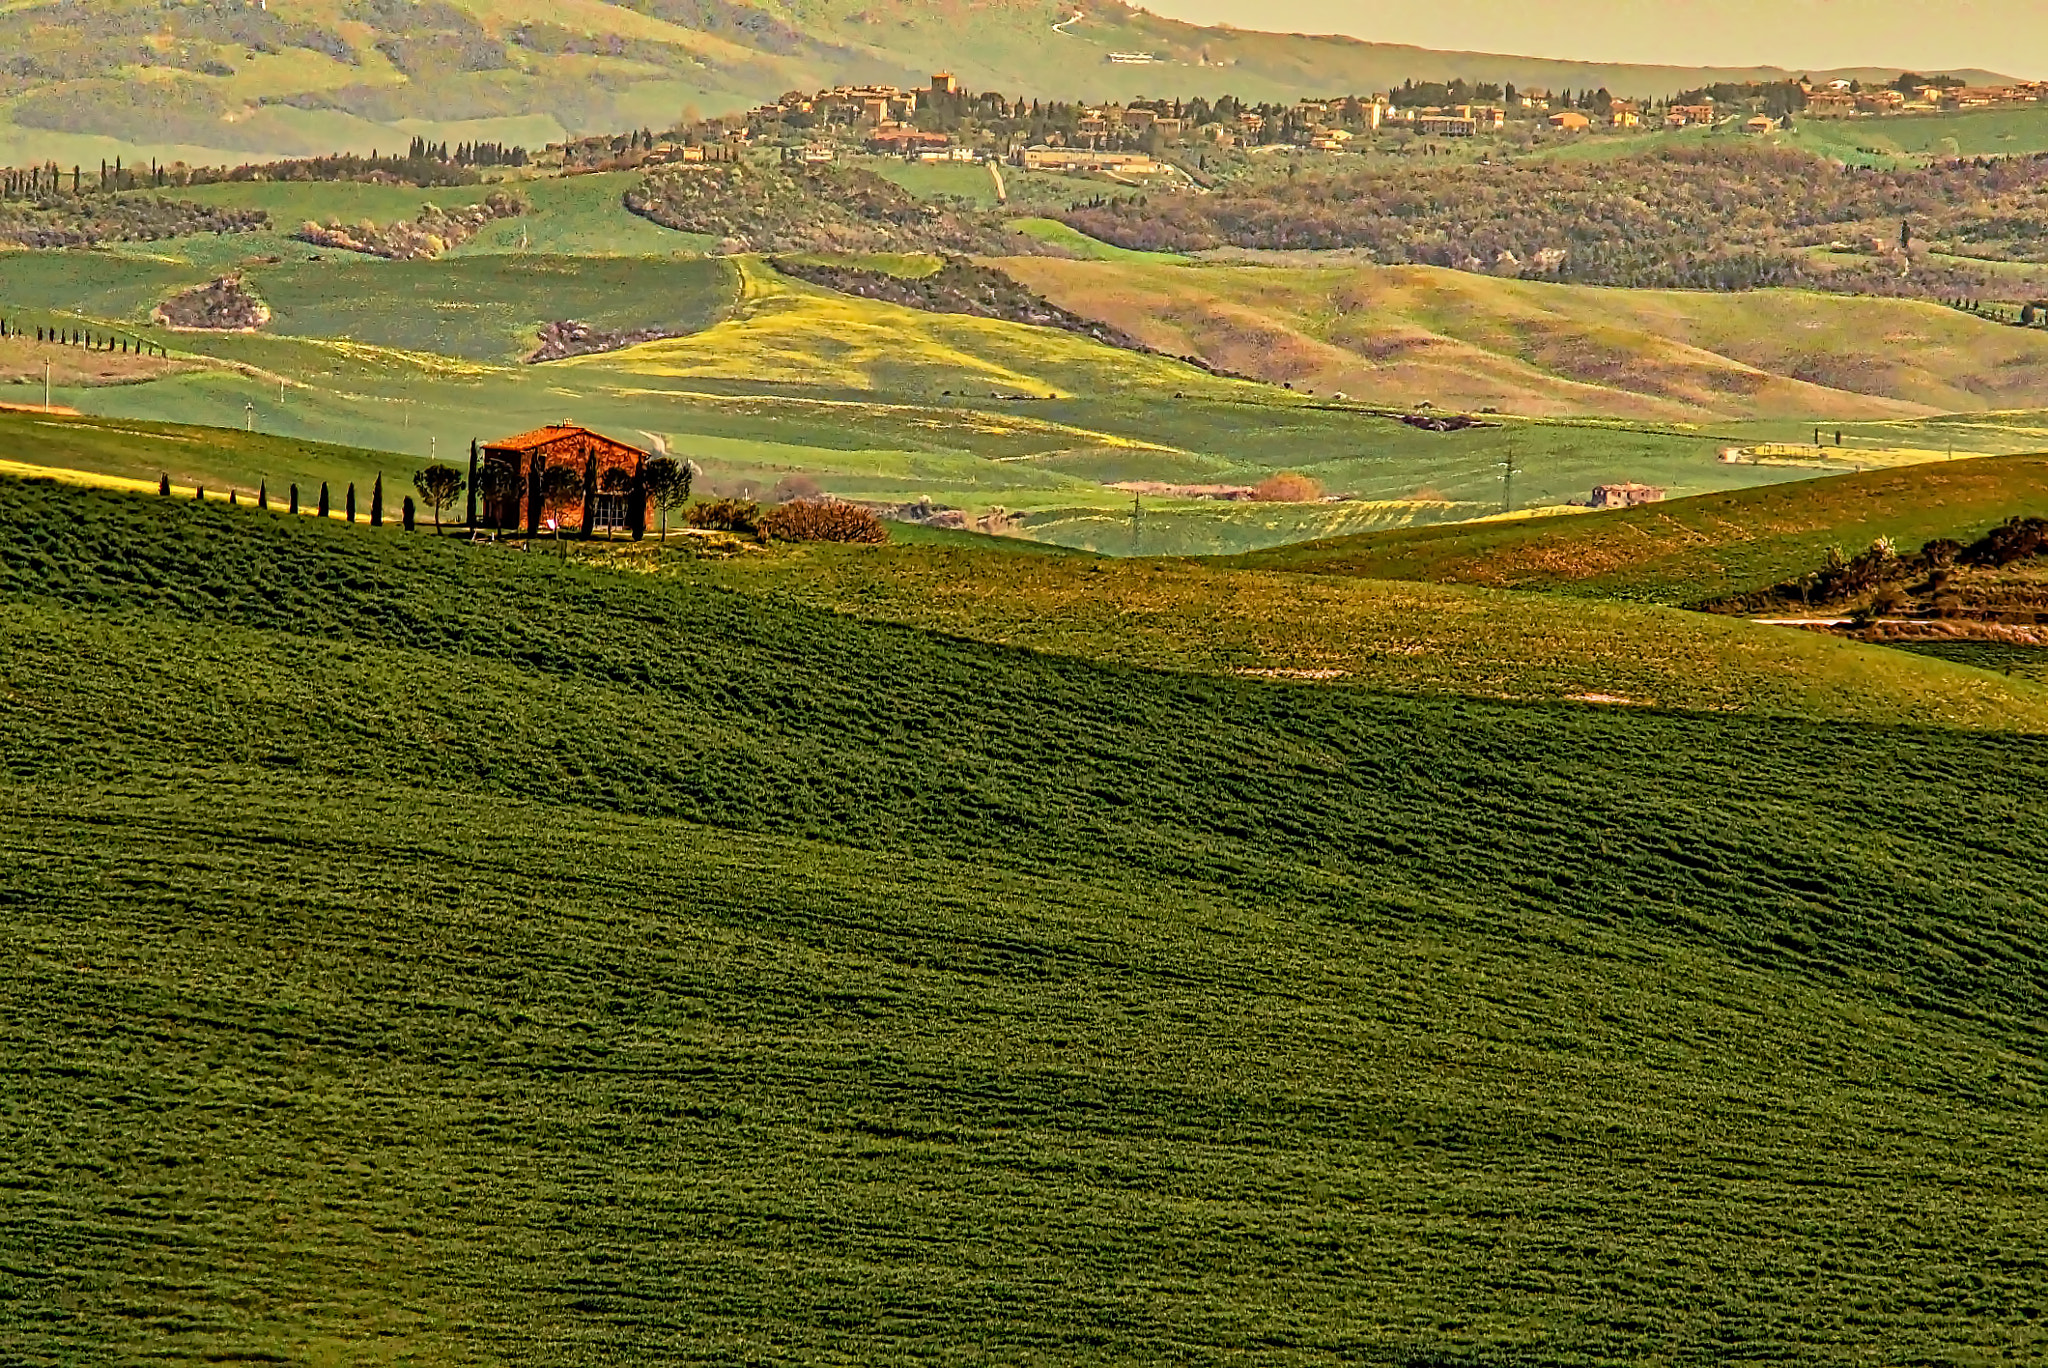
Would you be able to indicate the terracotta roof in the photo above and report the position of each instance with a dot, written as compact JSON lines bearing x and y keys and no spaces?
{"x":544,"y":436}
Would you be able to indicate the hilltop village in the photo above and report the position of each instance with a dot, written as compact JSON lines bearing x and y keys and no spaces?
{"x":943,"y":122}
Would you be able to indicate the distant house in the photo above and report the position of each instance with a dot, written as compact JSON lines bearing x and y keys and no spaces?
{"x":906,"y":141}
{"x":579,"y":479}
{"x":1624,"y":495}
{"x":1762,"y":123}
{"x":1570,"y":121}
{"x":1438,"y":125}
{"x":1831,"y":105}
{"x":1689,"y":116}
{"x":1081,"y":159}
{"x":1623,"y":114}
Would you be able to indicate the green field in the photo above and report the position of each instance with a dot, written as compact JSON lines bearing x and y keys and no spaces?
{"x":2020,"y":131}
{"x":1351,"y":633}
{"x":419,"y":953}
{"x":1699,"y":548}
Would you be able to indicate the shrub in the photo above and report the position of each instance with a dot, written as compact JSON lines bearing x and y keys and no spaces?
{"x":826,"y":520}
{"x":1287,"y":487}
{"x":726,"y":515}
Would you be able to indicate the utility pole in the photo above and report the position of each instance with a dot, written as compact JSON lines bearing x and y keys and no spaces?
{"x":46,"y":386}
{"x":1137,"y":516}
{"x":249,"y":417}
{"x":1508,"y":472}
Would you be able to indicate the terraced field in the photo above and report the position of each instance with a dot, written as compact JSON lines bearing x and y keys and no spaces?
{"x":726,"y":980}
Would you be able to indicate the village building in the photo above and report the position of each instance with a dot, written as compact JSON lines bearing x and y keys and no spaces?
{"x":1624,"y":495}
{"x":1689,"y":116}
{"x":907,"y":142}
{"x":1831,"y":104}
{"x":578,"y":480}
{"x":1080,"y":159}
{"x":1436,"y":123}
{"x":1570,"y":121}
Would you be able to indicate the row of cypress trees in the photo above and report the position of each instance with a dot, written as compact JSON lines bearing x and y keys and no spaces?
{"x":408,"y":511}
{"x":80,"y":337}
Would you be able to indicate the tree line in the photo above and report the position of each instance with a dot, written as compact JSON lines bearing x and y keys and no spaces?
{"x":1730,"y":217}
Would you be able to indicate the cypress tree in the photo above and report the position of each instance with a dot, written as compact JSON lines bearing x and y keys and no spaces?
{"x":377,"y":503}
{"x":163,"y":485}
{"x":295,"y":498}
{"x":263,"y":494}
{"x":232,"y":501}
{"x":406,"y":511}
{"x":472,"y":484}
{"x":351,"y":500}
{"x":199,"y":494}
{"x":323,"y":499}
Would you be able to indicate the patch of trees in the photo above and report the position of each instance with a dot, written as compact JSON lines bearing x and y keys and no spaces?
{"x":812,"y":209}
{"x":35,"y":214}
{"x":225,"y":304}
{"x":1894,"y":582}
{"x":1709,"y":218}
{"x":428,"y":234}
{"x":569,"y":337}
{"x":959,"y":286}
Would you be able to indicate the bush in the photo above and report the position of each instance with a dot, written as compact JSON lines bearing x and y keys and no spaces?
{"x":726,"y":515}
{"x":823,"y":520}
{"x":1287,"y":487}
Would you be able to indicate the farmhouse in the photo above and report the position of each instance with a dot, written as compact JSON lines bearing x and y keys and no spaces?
{"x":1624,"y":495}
{"x":1570,"y":121}
{"x":1075,"y":159}
{"x":578,"y":479}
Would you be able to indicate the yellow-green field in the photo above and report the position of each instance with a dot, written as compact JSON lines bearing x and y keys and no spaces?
{"x":1401,"y":335}
{"x":1392,"y":637}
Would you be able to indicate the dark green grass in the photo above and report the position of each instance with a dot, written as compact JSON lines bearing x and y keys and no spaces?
{"x":484,"y":307}
{"x":488,"y":308}
{"x":418,"y":954}
{"x":2023,"y":662}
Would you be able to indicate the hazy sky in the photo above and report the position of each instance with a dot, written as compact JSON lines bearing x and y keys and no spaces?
{"x":2010,"y":36}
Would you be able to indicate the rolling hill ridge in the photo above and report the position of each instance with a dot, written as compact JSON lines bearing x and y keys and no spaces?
{"x":232,"y":81}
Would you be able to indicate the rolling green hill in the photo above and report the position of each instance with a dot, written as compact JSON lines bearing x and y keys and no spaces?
{"x":1465,"y":340}
{"x":101,"y":79}
{"x":1690,"y":550}
{"x":418,"y":953}
{"x":1355,"y":633}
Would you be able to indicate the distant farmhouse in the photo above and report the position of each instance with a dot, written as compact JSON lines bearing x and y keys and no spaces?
{"x":1624,"y":495}
{"x":575,"y":479}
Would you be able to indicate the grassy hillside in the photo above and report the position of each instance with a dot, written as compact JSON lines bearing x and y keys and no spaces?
{"x":896,"y":405}
{"x":311,"y":76}
{"x":723,"y":980}
{"x":1406,"y":638}
{"x":785,"y":332}
{"x":1403,"y":334}
{"x":1698,"y":548}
